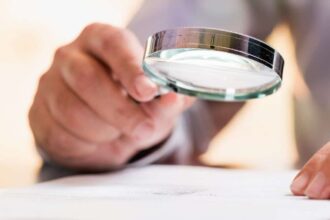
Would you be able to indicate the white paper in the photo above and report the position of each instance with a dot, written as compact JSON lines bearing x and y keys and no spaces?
{"x":163,"y":192}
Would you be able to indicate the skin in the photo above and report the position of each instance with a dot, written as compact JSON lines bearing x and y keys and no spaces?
{"x":94,"y":108}
{"x":313,"y":180}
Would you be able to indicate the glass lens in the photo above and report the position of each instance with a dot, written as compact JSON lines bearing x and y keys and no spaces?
{"x":211,"y":74}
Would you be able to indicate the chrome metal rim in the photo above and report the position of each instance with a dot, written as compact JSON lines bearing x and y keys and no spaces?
{"x":219,"y":40}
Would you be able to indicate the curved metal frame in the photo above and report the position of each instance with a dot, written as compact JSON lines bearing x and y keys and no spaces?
{"x":218,"y":40}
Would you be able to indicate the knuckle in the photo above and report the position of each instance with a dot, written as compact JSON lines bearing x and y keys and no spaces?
{"x":110,"y":37}
{"x":116,"y":32}
{"x":92,"y":27}
{"x":43,"y":87}
{"x":43,"y":79}
{"x":62,"y":53}
{"x":121,"y":34}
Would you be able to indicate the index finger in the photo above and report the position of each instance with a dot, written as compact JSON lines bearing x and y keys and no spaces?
{"x":120,"y":50}
{"x":307,"y":173}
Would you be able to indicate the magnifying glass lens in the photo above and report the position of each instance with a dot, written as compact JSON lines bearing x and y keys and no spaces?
{"x":211,"y":74}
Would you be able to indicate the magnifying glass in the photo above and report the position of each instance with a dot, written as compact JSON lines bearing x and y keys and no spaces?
{"x":212,"y":64}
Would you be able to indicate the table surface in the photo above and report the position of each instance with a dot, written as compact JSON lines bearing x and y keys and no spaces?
{"x":163,"y":192}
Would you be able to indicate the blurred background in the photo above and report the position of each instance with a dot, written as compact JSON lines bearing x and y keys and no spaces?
{"x":260,"y":136}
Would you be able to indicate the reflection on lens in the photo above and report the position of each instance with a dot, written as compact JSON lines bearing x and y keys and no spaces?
{"x":212,"y":72}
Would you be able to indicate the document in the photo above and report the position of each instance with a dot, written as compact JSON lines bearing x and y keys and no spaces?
{"x":163,"y":192}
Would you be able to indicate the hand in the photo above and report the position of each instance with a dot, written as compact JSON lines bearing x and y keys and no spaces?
{"x":86,"y":113}
{"x":314,"y":178}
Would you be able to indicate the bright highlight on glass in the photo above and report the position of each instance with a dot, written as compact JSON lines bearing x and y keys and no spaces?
{"x":213,"y":64}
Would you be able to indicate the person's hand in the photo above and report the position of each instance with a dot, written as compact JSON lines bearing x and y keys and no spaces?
{"x":94,"y":108}
{"x":314,"y":178}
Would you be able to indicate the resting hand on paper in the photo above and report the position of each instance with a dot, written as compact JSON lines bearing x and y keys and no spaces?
{"x":94,"y":108}
{"x":314,"y":178}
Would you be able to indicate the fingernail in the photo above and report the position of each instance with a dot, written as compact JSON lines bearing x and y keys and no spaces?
{"x":315,"y":188}
{"x":143,"y":130}
{"x":300,"y":183}
{"x":144,"y":86}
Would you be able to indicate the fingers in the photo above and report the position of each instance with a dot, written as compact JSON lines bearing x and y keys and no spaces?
{"x":93,"y":84}
{"x":164,"y":112}
{"x":86,"y":118}
{"x":314,"y":178}
{"x":73,"y":114}
{"x":107,"y":156}
{"x":168,"y":106}
{"x":120,"y":50}
{"x":66,"y":149}
{"x":301,"y":181}
{"x":53,"y":138}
